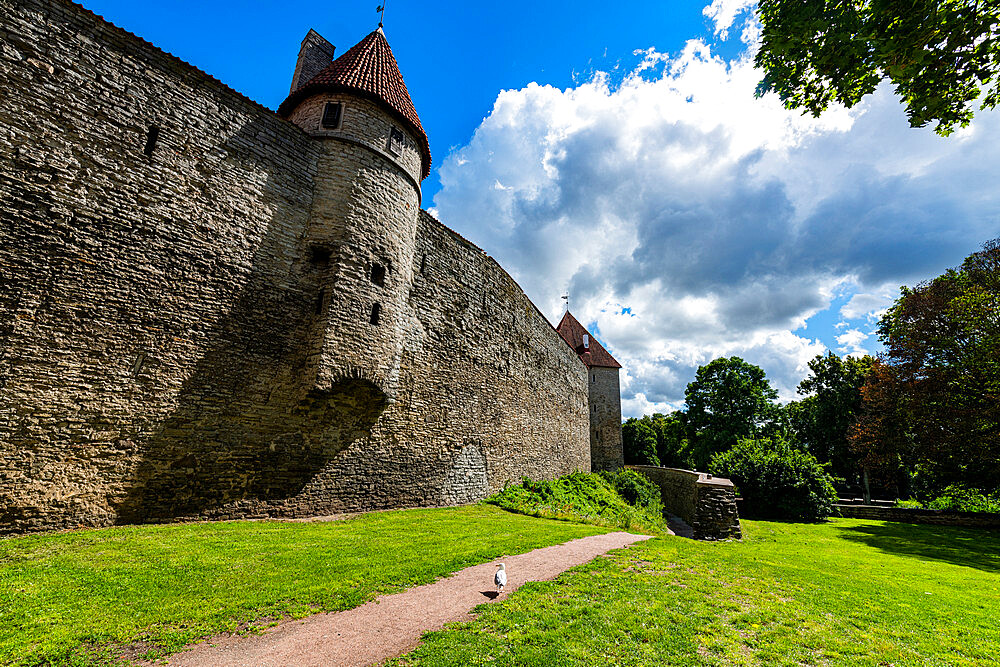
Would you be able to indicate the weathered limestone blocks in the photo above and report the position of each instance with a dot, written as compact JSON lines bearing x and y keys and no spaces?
{"x":605,"y":419}
{"x":706,"y":503}
{"x":913,"y":515}
{"x":161,"y":331}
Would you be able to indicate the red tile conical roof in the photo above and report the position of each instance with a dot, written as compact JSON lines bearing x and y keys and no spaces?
{"x":367,"y":69}
{"x":592,"y":354}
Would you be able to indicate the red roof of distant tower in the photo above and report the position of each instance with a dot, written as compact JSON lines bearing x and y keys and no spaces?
{"x":367,"y":69}
{"x":592,"y":354}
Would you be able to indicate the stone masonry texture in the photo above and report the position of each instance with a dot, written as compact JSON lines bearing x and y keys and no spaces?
{"x":605,"y":419}
{"x":706,"y":503}
{"x":913,"y":515}
{"x":187,"y":284}
{"x":315,"y":53}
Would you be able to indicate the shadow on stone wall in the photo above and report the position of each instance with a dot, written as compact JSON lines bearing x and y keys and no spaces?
{"x":250,"y":426}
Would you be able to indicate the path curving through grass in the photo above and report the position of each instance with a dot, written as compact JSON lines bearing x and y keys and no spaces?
{"x":90,"y":596}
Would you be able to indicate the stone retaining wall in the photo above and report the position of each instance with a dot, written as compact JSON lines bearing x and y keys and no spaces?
{"x":706,"y":503}
{"x":912,"y":515}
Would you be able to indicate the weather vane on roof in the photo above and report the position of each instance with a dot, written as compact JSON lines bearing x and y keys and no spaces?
{"x":565,"y":297}
{"x":381,"y":13}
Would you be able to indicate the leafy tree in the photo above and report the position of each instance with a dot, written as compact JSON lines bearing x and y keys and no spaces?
{"x":833,"y":400}
{"x":639,"y":442}
{"x":933,"y":400}
{"x":777,"y":480}
{"x":939,"y":54}
{"x":671,"y":439}
{"x":729,"y":399}
{"x":798,"y":420}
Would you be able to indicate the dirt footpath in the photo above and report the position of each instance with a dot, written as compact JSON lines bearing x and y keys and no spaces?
{"x":393,"y":624}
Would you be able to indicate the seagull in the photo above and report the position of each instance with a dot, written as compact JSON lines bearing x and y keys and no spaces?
{"x":500,"y":579}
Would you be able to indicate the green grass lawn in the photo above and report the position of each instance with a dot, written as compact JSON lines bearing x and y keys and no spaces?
{"x":77,"y":597}
{"x":848,"y":592}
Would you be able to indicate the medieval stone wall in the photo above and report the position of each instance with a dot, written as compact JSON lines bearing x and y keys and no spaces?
{"x":914,"y":515}
{"x":159,"y":312}
{"x":605,"y":419}
{"x":706,"y":503}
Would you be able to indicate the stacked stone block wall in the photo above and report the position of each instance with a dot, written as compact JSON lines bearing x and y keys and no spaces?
{"x":606,"y":419}
{"x":717,"y":517}
{"x":706,"y":503}
{"x":161,"y":335}
{"x":914,"y":515}
{"x":315,"y":55}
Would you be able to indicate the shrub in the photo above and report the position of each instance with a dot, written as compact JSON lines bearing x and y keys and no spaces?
{"x":960,"y":499}
{"x":911,"y":504}
{"x":777,"y":480}
{"x":582,"y":497}
{"x":635,"y":489}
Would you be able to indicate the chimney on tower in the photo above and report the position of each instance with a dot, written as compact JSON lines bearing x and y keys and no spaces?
{"x":316,"y":53}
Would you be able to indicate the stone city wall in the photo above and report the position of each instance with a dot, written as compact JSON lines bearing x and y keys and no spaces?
{"x":706,"y":503}
{"x":158,"y":310}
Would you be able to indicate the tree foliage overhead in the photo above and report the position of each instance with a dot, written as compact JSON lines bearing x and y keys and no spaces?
{"x":940,"y":55}
{"x":933,"y":400}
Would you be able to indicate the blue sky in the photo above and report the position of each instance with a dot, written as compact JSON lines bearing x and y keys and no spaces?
{"x":617,"y":152}
{"x":455,"y":57}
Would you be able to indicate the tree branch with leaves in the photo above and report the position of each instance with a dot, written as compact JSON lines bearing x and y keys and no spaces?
{"x":940,"y":55}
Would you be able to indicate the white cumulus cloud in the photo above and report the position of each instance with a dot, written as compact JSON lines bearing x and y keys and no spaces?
{"x":724,"y":12}
{"x":689,"y":220}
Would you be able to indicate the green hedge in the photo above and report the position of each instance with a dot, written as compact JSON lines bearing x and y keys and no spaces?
{"x":957,"y":498}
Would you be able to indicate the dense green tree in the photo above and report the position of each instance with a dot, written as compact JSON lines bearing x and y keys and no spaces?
{"x":729,"y":399}
{"x":820,"y":422}
{"x":639,"y":442}
{"x":777,"y":480}
{"x":933,"y":401}
{"x":797,"y":419}
{"x":941,"y":55}
{"x":671,"y":438}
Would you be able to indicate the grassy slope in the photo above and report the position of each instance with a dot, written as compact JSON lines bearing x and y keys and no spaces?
{"x":846,"y":592}
{"x":172,"y":584}
{"x":579,"y":497}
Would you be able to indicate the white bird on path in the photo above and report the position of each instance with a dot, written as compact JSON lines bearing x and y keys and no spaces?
{"x":500,"y":578}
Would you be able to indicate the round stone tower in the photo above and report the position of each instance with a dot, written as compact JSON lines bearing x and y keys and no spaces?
{"x":362,"y":229}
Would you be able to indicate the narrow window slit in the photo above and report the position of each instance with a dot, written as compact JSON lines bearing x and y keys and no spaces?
{"x":376,"y":313}
{"x":151,"y":136}
{"x":378,"y":274}
{"x":319,"y":255}
{"x":319,"y":301}
{"x":137,"y":365}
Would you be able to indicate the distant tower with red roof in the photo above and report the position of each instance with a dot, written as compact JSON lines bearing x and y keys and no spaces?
{"x":363,"y":221}
{"x":605,"y":394}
